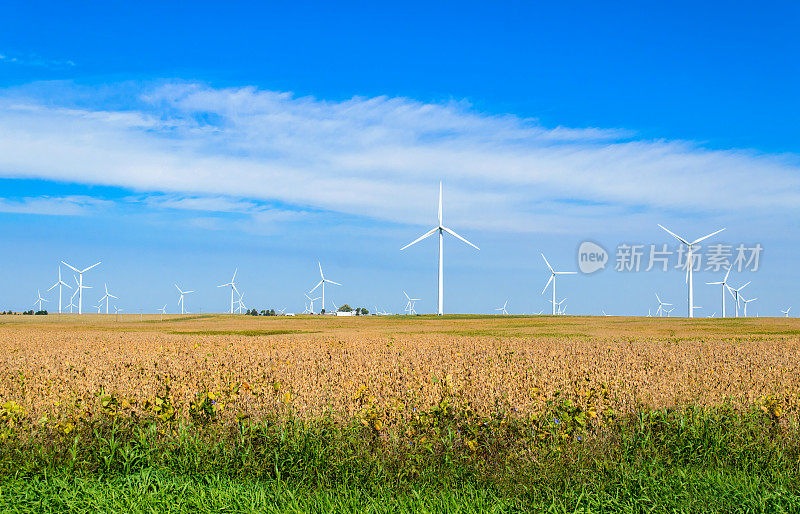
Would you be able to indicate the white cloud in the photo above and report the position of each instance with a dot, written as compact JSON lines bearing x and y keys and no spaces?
{"x":35,"y":61}
{"x":231,"y":149}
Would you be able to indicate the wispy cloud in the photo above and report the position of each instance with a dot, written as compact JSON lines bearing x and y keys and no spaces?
{"x":53,"y":206}
{"x":233,"y":149}
{"x":34,"y":61}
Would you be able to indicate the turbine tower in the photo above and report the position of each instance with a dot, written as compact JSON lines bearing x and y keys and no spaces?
{"x":322,"y":283}
{"x":441,"y":229}
{"x":724,"y":284}
{"x":552,"y":279}
{"x":59,"y":284}
{"x":232,"y":283}
{"x":81,"y":287}
{"x":690,"y":264}
{"x":180,"y":301}
{"x":107,"y":297}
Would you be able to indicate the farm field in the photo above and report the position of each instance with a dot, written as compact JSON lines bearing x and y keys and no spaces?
{"x":402,"y":413}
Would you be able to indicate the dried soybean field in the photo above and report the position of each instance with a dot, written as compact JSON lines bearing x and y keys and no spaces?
{"x":58,"y":367}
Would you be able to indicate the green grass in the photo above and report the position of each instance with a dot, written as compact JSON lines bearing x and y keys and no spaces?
{"x":689,"y":460}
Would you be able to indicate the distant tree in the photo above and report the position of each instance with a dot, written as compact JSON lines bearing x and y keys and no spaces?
{"x":364,"y":311}
{"x":272,"y":312}
{"x":358,"y":311}
{"x":322,"y":311}
{"x":345,"y":308}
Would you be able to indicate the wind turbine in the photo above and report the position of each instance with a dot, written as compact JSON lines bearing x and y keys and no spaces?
{"x":99,"y":306}
{"x":411,"y":303}
{"x":59,"y":284}
{"x":81,"y":287}
{"x":503,"y":309}
{"x":690,"y":263}
{"x":232,"y":283}
{"x":660,"y":311}
{"x":106,"y":297}
{"x":307,"y":309}
{"x":241,"y":303}
{"x":672,"y":309}
{"x":39,"y":300}
{"x":745,"y":302}
{"x":72,"y":300}
{"x":322,"y":283}
{"x":312,"y":300}
{"x":441,"y":229}
{"x":162,"y":310}
{"x":735,"y":294}
{"x":724,"y":284}
{"x":559,"y":311}
{"x":786,"y":312}
{"x":180,"y":301}
{"x":552,"y":279}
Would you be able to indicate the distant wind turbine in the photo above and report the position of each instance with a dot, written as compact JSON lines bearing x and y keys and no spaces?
{"x":745,"y":302}
{"x":503,"y":310}
{"x":232,"y":283}
{"x":441,"y":229}
{"x":312,"y":300}
{"x":690,"y":264}
{"x":660,"y":311}
{"x":553,"y":274}
{"x":107,"y":297}
{"x":180,"y":301}
{"x":59,"y":284}
{"x":72,"y":299}
{"x":162,"y":310}
{"x":411,"y":304}
{"x":786,"y":312}
{"x":81,"y":287}
{"x":39,"y":300}
{"x":322,"y":283}
{"x":736,"y":296}
{"x":724,"y":284}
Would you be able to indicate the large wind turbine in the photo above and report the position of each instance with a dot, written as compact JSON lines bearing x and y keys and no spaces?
{"x":182,"y":293}
{"x":59,"y":284}
{"x":80,"y":282}
{"x":724,"y":284}
{"x":39,"y":300}
{"x":441,"y":229}
{"x":107,"y":297}
{"x":232,"y":283}
{"x":552,"y":279}
{"x":690,"y":263}
{"x":322,"y":283}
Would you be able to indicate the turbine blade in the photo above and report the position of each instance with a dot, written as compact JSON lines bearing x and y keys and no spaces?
{"x":420,"y":238}
{"x":234,"y":275}
{"x":745,"y":285}
{"x":70,"y":267}
{"x":726,"y":274}
{"x":548,"y":264}
{"x":676,"y":236}
{"x":92,"y":266}
{"x":456,"y":235}
{"x":706,"y":237}
{"x":320,"y":270}
{"x":316,"y":286}
{"x":565,"y":272}
{"x":53,"y":286}
{"x":332,"y":282}
{"x":552,"y":276}
{"x":440,"y":203}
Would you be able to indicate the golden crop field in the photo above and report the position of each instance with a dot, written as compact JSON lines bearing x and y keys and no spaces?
{"x":58,"y":366}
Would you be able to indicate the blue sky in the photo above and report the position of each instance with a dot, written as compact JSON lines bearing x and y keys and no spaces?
{"x":176,"y":144}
